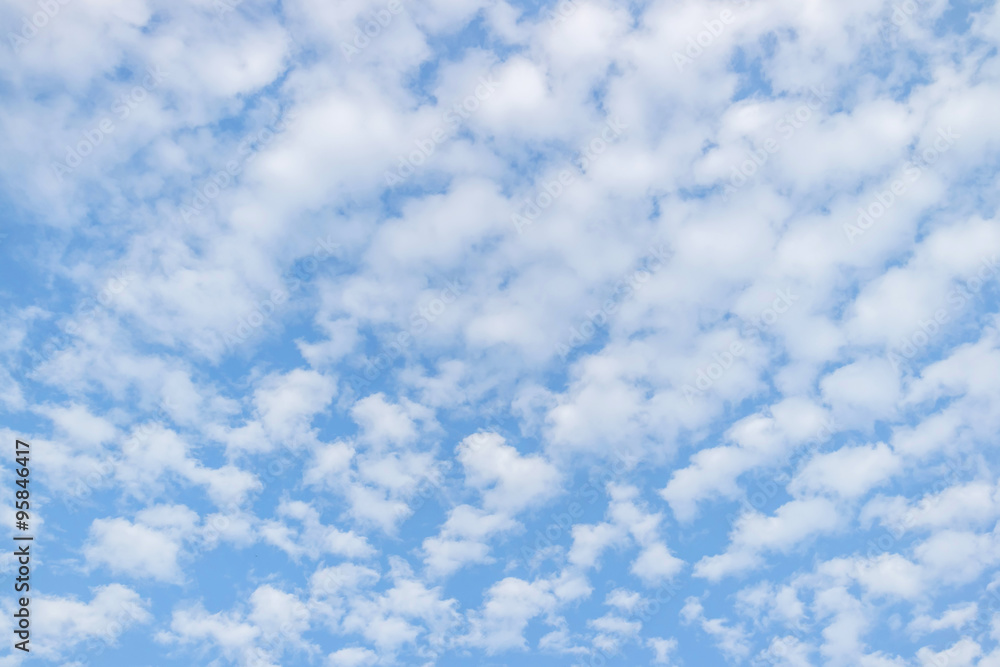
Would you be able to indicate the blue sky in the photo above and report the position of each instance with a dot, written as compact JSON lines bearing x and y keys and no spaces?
{"x":577,"y":333}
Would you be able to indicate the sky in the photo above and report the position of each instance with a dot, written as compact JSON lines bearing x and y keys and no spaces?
{"x":486,"y":333}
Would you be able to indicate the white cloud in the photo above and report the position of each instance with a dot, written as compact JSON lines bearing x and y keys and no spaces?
{"x":383,"y":423}
{"x":155,"y":456}
{"x":276,"y":613}
{"x":859,"y":391}
{"x":623,"y":600}
{"x":891,"y":574}
{"x":962,"y":653}
{"x":953,"y":556}
{"x":848,"y":472}
{"x":353,"y":656}
{"x":231,"y":634}
{"x":62,"y":623}
{"x":418,"y":313}
{"x":766,"y":603}
{"x":759,"y":439}
{"x":510,"y":604}
{"x":589,"y":541}
{"x":960,"y":505}
{"x":314,"y":539}
{"x":629,"y":522}
{"x":755,"y":534}
{"x":77,"y":423}
{"x":329,"y":464}
{"x":731,"y":640}
{"x":508,"y":480}
{"x":339,"y":578}
{"x":955,"y":618}
{"x":462,"y":539}
{"x":662,"y":648}
{"x":288,"y":403}
{"x":151,"y":547}
{"x":408,"y":609}
{"x":655,"y":564}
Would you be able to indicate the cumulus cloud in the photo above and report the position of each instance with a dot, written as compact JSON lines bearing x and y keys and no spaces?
{"x":152,"y":546}
{"x":63,"y":623}
{"x":507,"y":479}
{"x":376,"y":333}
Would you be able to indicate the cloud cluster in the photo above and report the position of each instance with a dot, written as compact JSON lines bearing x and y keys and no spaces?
{"x":467,"y":331}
